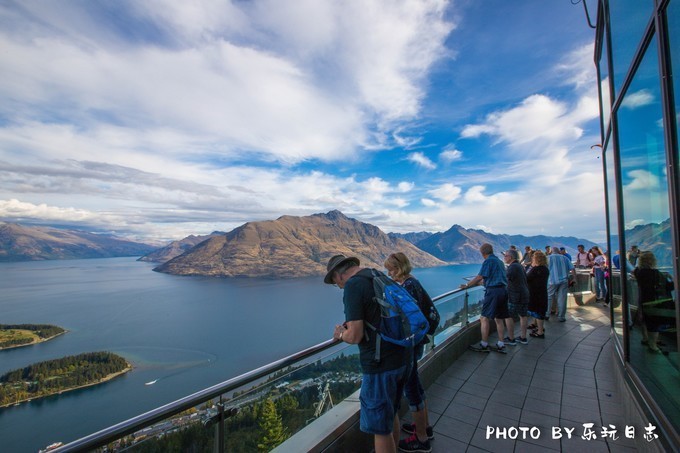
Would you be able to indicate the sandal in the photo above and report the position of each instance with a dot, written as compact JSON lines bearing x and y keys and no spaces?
{"x":537,"y":335}
{"x":532,"y":326}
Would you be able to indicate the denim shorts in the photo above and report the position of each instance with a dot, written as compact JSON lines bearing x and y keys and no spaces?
{"x":380,"y":397}
{"x":495,"y":304}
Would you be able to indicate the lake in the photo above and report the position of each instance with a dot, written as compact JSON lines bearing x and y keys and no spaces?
{"x":188,"y":333}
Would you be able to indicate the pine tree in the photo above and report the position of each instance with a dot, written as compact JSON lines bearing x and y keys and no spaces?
{"x":271,"y":426}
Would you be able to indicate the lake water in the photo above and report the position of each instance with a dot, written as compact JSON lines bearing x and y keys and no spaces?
{"x":188,"y":333}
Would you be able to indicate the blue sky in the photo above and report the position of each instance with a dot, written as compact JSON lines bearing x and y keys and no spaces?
{"x":159,"y":119}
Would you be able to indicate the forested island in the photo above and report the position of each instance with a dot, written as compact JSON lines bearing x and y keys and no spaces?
{"x":60,"y":375}
{"x":16,"y":335}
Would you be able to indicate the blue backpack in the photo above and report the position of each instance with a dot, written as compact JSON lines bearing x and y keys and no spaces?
{"x":401,"y":320}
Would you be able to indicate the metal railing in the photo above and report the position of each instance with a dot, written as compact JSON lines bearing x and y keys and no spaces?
{"x":455,"y":314}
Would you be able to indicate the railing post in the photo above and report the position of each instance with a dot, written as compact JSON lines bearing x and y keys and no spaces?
{"x":465,"y":308}
{"x":219,"y":429}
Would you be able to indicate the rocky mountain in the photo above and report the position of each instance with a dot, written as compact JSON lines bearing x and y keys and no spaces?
{"x":176,"y":248}
{"x":461,"y":245}
{"x":292,"y":247}
{"x":33,"y":243}
{"x":413,"y":238}
{"x":655,"y":237}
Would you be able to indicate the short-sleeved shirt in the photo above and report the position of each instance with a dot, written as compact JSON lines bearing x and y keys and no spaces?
{"x":360,"y":306}
{"x":559,"y":266}
{"x":493,"y":272}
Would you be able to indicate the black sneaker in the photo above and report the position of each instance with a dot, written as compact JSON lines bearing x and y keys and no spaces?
{"x":501,"y":349}
{"x":413,"y":444}
{"x":507,"y":341}
{"x":410,"y":428}
{"x":522,"y":340}
{"x":479,"y":348}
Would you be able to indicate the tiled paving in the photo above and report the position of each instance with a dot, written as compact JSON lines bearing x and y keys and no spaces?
{"x":564,"y":380}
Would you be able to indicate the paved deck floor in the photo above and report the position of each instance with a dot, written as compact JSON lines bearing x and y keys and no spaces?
{"x":564,"y":380}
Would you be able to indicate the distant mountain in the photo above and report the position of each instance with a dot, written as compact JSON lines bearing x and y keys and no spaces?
{"x":655,"y":237}
{"x":176,"y":248}
{"x":413,"y":238}
{"x":292,"y":247}
{"x":461,"y":245}
{"x":32,"y":243}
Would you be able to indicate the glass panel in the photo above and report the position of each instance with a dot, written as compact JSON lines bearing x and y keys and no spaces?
{"x":673,"y":15}
{"x":258,"y":416}
{"x":647,"y":225}
{"x":604,"y":86}
{"x":615,"y":280}
{"x":628,"y":22}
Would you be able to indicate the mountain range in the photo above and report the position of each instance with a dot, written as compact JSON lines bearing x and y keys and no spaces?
{"x":293,"y":246}
{"x":33,"y":243}
{"x":176,"y":248}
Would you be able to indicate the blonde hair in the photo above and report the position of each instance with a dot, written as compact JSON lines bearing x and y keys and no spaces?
{"x":646,"y":260}
{"x":539,"y":259}
{"x":400,"y":263}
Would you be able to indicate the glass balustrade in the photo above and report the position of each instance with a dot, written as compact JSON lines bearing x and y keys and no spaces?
{"x":262,"y":408}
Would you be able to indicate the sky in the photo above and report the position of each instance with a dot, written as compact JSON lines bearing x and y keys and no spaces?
{"x":158,"y":119}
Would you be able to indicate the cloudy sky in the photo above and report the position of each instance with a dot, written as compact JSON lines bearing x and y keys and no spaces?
{"x":158,"y":119}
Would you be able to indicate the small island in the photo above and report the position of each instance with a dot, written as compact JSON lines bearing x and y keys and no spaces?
{"x":60,"y":375}
{"x":17,"y":335}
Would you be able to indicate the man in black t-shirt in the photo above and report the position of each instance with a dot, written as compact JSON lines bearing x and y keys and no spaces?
{"x":383,"y":381}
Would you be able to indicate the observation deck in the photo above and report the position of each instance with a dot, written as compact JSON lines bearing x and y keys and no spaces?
{"x":566,"y":392}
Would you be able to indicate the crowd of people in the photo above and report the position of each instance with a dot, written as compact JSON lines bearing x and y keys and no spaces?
{"x":519,"y":288}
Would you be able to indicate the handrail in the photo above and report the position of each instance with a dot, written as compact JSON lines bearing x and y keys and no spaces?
{"x":132,"y":425}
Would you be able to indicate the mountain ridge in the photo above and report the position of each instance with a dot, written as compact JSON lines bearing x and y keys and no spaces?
{"x":292,"y":247}
{"x":38,"y":243}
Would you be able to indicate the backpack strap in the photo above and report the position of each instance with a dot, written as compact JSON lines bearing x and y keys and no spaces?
{"x":378,"y":339}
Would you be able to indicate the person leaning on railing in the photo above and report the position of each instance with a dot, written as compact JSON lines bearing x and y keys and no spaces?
{"x":399,"y":268}
{"x":382,"y":384}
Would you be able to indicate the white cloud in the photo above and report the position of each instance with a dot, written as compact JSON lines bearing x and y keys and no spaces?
{"x":536,"y":118}
{"x":223,"y":83}
{"x":446,"y":192}
{"x":428,"y":202}
{"x":642,"y":180}
{"x":474,"y":194}
{"x":450,"y":154}
{"x":422,"y":160}
{"x":637,"y":99}
{"x":405,"y":186}
{"x":635,"y":222}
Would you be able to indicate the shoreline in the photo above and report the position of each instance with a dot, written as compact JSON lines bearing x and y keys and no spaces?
{"x":41,"y":340}
{"x":101,"y":381}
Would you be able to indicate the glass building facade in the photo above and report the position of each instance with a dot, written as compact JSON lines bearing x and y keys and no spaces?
{"x":637,"y":52}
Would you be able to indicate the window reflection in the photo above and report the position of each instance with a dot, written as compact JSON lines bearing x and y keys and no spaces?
{"x":674,"y":37}
{"x":628,"y":23}
{"x":615,"y":279}
{"x":647,"y":226}
{"x":604,"y":88}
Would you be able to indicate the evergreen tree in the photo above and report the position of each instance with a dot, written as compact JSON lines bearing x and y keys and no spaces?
{"x":271,"y":426}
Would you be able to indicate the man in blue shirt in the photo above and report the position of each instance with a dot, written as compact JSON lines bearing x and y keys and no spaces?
{"x":495,"y":304}
{"x":558,"y":282}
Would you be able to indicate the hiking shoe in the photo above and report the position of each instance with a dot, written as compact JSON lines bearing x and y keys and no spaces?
{"x":479,"y":348}
{"x":501,"y":349}
{"x":413,"y":444}
{"x":410,"y":428}
{"x":509,"y":342}
{"x":522,"y":340}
